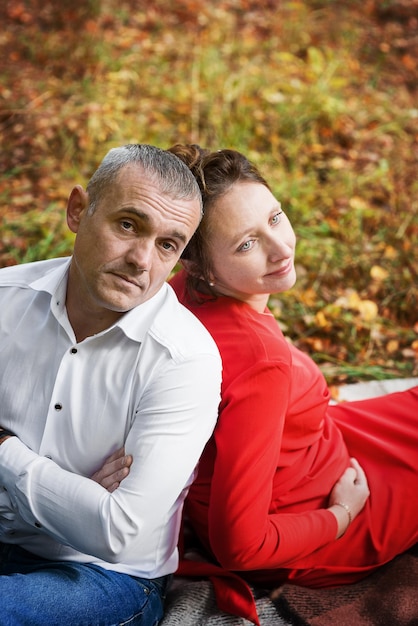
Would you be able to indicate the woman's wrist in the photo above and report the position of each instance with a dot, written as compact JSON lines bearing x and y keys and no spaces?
{"x":5,"y":434}
{"x":344,"y":517}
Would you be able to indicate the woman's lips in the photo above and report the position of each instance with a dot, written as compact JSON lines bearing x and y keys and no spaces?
{"x":284,"y":269}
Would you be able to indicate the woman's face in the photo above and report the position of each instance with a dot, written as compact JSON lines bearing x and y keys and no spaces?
{"x":251,"y":245}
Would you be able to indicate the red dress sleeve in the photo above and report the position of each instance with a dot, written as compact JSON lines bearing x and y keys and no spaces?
{"x":243,"y":533}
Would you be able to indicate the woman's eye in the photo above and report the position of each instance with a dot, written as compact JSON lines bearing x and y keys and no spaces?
{"x":276,"y":218}
{"x":246,"y":246}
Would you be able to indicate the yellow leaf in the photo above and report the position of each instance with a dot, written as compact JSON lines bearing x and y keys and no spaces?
{"x":392,"y":346}
{"x":368,"y":310}
{"x":378,"y":273}
{"x":349,"y":300}
{"x":338,"y":163}
{"x":309,"y":297}
{"x":354,"y":300}
{"x":357,"y":203}
{"x":321,"y":320}
{"x":390,"y":252}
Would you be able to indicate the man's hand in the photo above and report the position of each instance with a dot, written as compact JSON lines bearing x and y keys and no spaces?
{"x":114,"y":470}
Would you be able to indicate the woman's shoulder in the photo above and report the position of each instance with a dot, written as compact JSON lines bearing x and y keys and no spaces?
{"x":235,"y":326}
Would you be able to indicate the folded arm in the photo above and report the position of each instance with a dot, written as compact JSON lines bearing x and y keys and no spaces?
{"x":166,"y":438}
{"x":114,"y":470}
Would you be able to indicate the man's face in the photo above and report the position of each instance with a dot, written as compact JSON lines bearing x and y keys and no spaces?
{"x":126,"y":249}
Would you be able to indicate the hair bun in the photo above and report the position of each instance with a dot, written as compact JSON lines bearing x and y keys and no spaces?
{"x":191,"y":154}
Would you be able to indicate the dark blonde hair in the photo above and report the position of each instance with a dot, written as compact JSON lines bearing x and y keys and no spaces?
{"x":215,"y":173}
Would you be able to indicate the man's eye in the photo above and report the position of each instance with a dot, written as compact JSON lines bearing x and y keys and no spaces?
{"x":126,"y":225}
{"x":167,"y":245}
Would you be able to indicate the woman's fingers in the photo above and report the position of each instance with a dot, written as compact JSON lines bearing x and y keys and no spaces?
{"x":351,"y":489}
{"x":114,"y":470}
{"x":360,"y":478}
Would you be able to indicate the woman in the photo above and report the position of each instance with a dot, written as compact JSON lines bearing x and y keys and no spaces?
{"x":289,"y":488}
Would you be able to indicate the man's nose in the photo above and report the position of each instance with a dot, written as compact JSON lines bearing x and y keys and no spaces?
{"x":139,"y":254}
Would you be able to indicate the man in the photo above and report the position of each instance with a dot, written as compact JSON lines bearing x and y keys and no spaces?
{"x":97,"y":354}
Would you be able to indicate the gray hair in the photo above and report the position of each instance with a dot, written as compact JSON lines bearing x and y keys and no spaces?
{"x":164,"y":168}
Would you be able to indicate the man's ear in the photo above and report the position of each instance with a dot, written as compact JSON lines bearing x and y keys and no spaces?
{"x":77,"y":203}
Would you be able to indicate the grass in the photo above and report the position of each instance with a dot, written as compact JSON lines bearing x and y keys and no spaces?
{"x":318,"y":93}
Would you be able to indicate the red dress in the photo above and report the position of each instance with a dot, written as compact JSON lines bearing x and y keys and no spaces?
{"x":279,"y":448}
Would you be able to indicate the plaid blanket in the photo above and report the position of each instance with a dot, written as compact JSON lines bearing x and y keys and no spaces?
{"x":389,"y":597}
{"x":192,"y":603}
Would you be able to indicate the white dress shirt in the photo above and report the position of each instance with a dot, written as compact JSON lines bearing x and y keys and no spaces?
{"x":151,"y":382}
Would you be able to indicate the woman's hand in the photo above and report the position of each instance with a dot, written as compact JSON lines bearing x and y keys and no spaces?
{"x":114,"y":470}
{"x":348,"y":496}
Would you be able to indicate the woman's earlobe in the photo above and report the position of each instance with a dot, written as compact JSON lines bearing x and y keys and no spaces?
{"x":210,"y":280}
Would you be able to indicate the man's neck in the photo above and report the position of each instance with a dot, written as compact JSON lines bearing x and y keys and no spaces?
{"x":86,"y":321}
{"x":84,"y":328}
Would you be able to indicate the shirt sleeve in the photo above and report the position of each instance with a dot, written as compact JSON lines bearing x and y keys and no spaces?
{"x":243,"y":534}
{"x":172,"y":424}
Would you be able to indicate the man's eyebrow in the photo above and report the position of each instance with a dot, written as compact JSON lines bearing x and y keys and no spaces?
{"x":180,"y":236}
{"x":136,"y":212}
{"x":175,"y":234}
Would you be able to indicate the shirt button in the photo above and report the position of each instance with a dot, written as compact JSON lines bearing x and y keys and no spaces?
{"x":73,"y":350}
{"x":58,"y":407}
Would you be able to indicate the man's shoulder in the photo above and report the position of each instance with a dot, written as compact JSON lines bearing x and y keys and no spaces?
{"x":180,"y":330}
{"x":24,"y":274}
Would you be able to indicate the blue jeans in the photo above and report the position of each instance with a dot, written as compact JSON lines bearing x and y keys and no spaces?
{"x":36,"y":592}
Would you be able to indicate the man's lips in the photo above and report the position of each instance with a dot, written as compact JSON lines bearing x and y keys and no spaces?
{"x":127,"y":279}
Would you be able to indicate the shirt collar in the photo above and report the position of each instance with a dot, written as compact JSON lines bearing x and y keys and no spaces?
{"x":54,"y":278}
{"x":135,"y":323}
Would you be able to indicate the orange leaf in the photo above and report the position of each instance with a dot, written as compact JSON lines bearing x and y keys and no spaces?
{"x":392,"y":346}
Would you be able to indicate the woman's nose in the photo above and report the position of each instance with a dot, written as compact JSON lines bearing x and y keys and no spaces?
{"x":279,"y":249}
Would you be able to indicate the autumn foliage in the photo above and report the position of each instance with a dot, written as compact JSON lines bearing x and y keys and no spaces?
{"x":322,"y":95}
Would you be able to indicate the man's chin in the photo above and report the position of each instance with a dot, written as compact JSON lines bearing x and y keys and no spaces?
{"x":124,"y":305}
{"x":122,"y":301}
